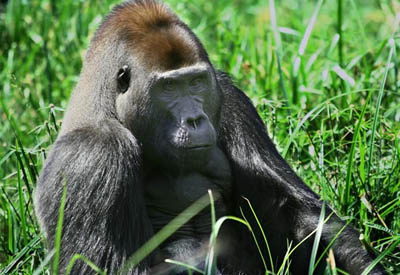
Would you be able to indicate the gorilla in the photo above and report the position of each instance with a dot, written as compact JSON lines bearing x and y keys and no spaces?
{"x":151,"y":127}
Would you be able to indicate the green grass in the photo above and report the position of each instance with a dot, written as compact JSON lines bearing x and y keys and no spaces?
{"x":331,"y":102}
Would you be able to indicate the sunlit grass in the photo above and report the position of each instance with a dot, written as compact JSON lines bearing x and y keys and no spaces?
{"x":324,"y":76}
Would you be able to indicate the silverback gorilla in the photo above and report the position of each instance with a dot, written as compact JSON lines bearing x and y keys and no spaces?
{"x":150,"y":127}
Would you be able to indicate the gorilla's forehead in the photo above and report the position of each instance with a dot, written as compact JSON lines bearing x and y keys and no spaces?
{"x":154,"y":34}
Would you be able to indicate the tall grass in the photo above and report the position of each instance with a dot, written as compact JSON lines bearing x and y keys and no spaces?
{"x":324,"y":76}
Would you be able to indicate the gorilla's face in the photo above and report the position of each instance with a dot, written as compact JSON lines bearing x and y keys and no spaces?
{"x":177,"y":130}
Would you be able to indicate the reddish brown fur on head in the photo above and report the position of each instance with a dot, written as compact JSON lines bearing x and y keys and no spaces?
{"x":154,"y":32}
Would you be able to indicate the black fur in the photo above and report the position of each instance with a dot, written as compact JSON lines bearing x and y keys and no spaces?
{"x":104,"y":216}
{"x":106,"y":150}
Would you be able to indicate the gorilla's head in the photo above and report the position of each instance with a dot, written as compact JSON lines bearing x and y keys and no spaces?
{"x":157,"y":80}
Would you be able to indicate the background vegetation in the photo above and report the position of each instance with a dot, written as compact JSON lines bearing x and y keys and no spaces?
{"x":324,"y":75}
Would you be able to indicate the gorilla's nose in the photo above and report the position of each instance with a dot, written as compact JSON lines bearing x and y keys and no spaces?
{"x":198,"y":130}
{"x":195,"y":122}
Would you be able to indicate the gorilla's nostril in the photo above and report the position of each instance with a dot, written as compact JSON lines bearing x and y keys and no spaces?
{"x":194,"y":122}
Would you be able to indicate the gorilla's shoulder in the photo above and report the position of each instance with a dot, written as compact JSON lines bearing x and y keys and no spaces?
{"x":105,"y":132}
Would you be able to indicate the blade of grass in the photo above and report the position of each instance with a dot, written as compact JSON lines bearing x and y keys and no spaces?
{"x":11,"y":242}
{"x":17,"y":135}
{"x":274,"y":25}
{"x":346,"y":195}
{"x":361,"y":25}
{"x":60,"y":221}
{"x":19,"y":256}
{"x":210,"y":265}
{"x":381,"y":256}
{"x":339,"y":31}
{"x":307,"y":237}
{"x":44,"y":263}
{"x":328,"y":247}
{"x":332,"y":262}
{"x":21,"y":201}
{"x":188,"y":267}
{"x":278,"y":44}
{"x":302,"y":48}
{"x":284,"y":268}
{"x":255,"y":240}
{"x":84,"y":259}
{"x":317,"y":240}
{"x":392,"y":45}
{"x":264,"y":237}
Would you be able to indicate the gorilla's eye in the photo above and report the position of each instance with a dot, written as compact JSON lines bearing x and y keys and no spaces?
{"x":169,"y":85}
{"x":196,"y":82}
{"x":124,"y":78}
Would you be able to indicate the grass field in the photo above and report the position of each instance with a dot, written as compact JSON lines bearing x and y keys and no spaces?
{"x":324,"y":75}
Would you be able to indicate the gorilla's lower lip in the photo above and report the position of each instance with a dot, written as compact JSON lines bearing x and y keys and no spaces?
{"x":199,"y":147}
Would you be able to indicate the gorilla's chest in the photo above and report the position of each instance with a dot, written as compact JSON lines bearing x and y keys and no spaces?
{"x":167,"y":194}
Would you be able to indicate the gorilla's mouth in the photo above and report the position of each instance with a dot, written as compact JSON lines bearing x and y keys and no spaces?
{"x":199,"y":147}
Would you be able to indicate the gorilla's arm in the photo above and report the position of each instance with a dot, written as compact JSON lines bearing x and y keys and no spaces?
{"x":285,"y":206}
{"x":104,"y":218}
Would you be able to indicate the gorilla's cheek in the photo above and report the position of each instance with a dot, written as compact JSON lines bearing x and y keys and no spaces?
{"x":122,"y":108}
{"x":126,"y":110}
